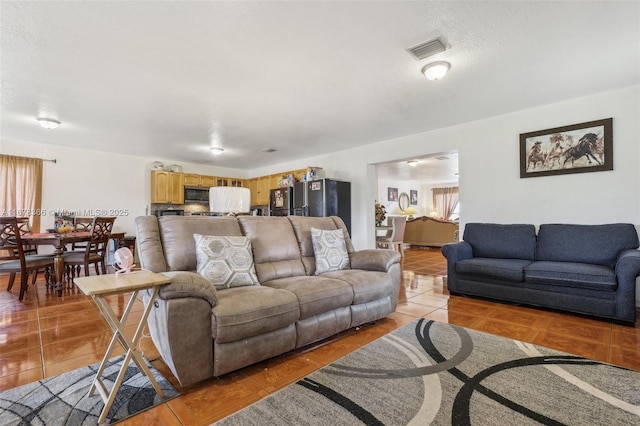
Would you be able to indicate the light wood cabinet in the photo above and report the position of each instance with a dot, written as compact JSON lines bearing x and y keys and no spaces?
{"x":207,"y":181}
{"x":237,"y":183}
{"x":264,"y":184}
{"x":252,"y":184}
{"x":192,"y":180}
{"x":167,"y":187}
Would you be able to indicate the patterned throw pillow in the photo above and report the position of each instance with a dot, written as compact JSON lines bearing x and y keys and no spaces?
{"x":330,"y":250}
{"x":225,"y":261}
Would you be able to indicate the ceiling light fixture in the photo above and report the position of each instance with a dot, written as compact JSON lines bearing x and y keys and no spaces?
{"x":48,"y":123}
{"x":216,"y":151}
{"x":412,"y":163}
{"x":436,"y":70}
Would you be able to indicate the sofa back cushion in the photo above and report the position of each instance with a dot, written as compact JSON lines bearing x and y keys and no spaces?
{"x":275,"y":248}
{"x":596,"y":244}
{"x":176,"y":236}
{"x":302,"y":228}
{"x":517,"y":241}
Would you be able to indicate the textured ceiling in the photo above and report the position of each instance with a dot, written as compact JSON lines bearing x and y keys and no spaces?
{"x":170,"y":79}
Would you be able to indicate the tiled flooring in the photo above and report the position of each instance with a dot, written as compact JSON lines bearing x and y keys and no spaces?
{"x":46,"y":335}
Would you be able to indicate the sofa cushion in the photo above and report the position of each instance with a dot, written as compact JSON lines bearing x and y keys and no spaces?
{"x":316,"y":294}
{"x":244,"y":312}
{"x":330,"y":250}
{"x":276,"y":253}
{"x":596,"y":244}
{"x":302,"y":227}
{"x":225,"y":261}
{"x":176,"y":233}
{"x":568,"y":274}
{"x":367,"y":285}
{"x":502,"y":269}
{"x":501,"y":241}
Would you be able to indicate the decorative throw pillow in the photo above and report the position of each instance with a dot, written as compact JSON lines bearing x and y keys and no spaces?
{"x":330,"y":250}
{"x":225,"y":261}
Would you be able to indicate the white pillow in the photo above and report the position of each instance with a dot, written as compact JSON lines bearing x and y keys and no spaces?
{"x":225,"y":261}
{"x":330,"y":250}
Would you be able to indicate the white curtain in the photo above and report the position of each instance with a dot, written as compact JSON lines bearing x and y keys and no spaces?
{"x":445,"y":201}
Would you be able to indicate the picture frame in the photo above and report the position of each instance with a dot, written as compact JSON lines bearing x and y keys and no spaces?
{"x":578,"y":148}
{"x":392,"y":194}
{"x":413,"y":197}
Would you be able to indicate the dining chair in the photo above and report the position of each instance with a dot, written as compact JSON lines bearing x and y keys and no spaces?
{"x":13,"y":259}
{"x":80,"y":224}
{"x":395,"y":238}
{"x":95,"y":250}
{"x":24,"y":226}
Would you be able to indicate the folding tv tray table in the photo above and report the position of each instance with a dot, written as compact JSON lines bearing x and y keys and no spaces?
{"x":99,"y":287}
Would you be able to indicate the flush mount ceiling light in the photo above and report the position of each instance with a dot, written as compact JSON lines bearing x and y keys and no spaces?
{"x":412,"y":163}
{"x":216,"y":151}
{"x":48,"y":123}
{"x":436,"y":70}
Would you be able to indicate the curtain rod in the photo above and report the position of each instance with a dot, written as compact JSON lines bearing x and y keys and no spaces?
{"x":54,"y":161}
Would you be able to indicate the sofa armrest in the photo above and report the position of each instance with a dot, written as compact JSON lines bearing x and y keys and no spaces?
{"x":455,"y":252}
{"x":627,"y":270}
{"x":374,"y":259}
{"x":188,"y":284}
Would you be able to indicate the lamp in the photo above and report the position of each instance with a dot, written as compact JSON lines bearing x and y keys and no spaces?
{"x":216,"y":151}
{"x":436,"y":70}
{"x":229,"y":199}
{"x":48,"y":123}
{"x":410,"y":211}
{"x":412,"y":163}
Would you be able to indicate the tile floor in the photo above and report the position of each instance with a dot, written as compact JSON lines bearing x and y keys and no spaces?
{"x":46,"y":335}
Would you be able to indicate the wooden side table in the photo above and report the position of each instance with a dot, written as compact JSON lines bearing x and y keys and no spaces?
{"x":101,"y":286}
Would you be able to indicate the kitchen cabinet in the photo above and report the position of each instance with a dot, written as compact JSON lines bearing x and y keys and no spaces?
{"x":252,"y":184}
{"x":264,"y":184}
{"x":191,"y":180}
{"x":207,"y":181}
{"x":167,"y":187}
{"x":200,"y":181}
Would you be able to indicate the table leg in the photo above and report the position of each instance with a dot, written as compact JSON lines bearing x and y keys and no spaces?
{"x":130,"y":345}
{"x":58,"y":268}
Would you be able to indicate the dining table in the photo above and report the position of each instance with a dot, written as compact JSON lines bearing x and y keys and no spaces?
{"x":59,"y":241}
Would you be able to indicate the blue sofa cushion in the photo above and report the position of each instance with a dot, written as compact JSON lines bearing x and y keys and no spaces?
{"x":595,"y":244}
{"x":502,"y":269}
{"x":567,"y":274}
{"x":501,"y":241}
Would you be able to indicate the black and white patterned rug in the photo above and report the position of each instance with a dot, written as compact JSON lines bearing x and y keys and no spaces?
{"x":434,"y":373}
{"x":64,"y":400}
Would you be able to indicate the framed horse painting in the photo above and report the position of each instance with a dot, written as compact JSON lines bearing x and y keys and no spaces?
{"x":579,"y":148}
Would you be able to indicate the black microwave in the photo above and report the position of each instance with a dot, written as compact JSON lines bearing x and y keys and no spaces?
{"x":196,"y":195}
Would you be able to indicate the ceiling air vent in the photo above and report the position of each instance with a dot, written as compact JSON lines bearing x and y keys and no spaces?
{"x":429,"y":48}
{"x":269,"y":150}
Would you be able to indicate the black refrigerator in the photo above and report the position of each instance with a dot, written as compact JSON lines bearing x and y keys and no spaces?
{"x":280,"y":201}
{"x":323,"y":197}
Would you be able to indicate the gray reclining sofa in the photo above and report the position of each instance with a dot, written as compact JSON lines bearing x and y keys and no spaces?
{"x":586,"y":269}
{"x":202,"y":332}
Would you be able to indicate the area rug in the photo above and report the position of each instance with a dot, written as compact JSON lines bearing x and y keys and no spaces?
{"x":63,"y":399}
{"x":433,"y":373}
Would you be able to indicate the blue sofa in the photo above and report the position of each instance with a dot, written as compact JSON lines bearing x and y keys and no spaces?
{"x":586,"y":269}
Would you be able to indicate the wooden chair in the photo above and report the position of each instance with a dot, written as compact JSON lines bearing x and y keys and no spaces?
{"x":95,"y":250}
{"x":24,"y":225}
{"x":395,"y":238}
{"x":80,"y":224}
{"x":13,"y":259}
